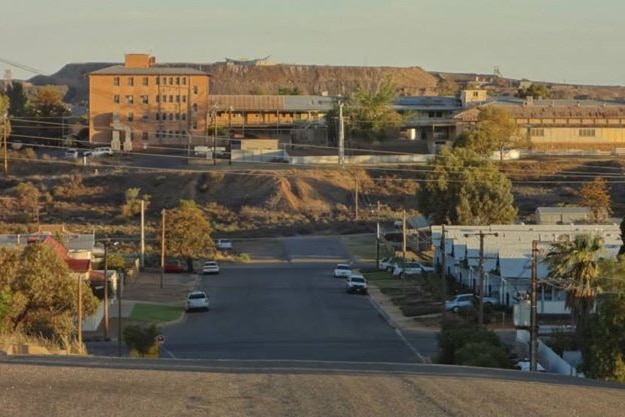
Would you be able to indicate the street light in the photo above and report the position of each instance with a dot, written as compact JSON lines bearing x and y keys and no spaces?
{"x":481,"y":289}
{"x":106,"y":242}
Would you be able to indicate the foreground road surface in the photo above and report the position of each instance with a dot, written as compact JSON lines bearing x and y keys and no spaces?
{"x":110,"y":387}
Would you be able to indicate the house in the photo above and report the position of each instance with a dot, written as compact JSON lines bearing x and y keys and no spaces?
{"x":508,"y":257}
{"x":562,"y":215}
{"x":141,"y":103}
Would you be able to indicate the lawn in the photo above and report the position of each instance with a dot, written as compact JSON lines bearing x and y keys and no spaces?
{"x":155,"y":312}
{"x":363,"y":247}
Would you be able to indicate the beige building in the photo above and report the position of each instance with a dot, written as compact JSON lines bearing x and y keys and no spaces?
{"x":140,"y":103}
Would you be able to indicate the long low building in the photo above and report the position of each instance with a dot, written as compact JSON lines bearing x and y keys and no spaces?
{"x":508,"y":257}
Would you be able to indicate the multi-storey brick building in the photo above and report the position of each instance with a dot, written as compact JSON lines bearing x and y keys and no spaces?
{"x":139,"y":104}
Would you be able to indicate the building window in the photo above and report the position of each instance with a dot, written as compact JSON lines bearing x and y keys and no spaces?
{"x":144,"y":99}
{"x":144,"y":81}
{"x":116,"y":81}
{"x":158,"y":81}
{"x":170,"y":133}
{"x":171,"y":116}
{"x":183,"y":116}
{"x":144,"y":135}
{"x":195,"y":89}
{"x":586,"y":133}
{"x":184,"y":99}
{"x":476,"y":94}
{"x":164,"y":99}
{"x":130,"y":100}
{"x":184,"y":80}
{"x":194,"y":124}
{"x":171,"y":80}
{"x":131,"y":81}
{"x":158,"y":98}
{"x":194,"y":106}
{"x":177,"y":99}
{"x":145,"y":118}
{"x":177,"y":80}
{"x":537,"y":132}
{"x":177,"y":116}
{"x":157,"y":116}
{"x":131,"y":117}
{"x":116,"y":98}
{"x":171,"y":99}
{"x":164,"y":80}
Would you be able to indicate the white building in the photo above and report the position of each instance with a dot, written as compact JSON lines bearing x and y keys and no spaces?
{"x":508,"y":257}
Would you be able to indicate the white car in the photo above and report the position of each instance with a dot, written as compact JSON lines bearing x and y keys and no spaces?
{"x":524,"y":366}
{"x":210,"y":267}
{"x":356,"y":283}
{"x":71,"y":154}
{"x":387,"y":264}
{"x":101,"y":151}
{"x":463,"y":302}
{"x":411,"y":268}
{"x":196,"y":300}
{"x":223,"y":244}
{"x":342,"y":270}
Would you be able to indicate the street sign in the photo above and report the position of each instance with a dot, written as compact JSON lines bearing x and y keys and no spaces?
{"x":160,"y":339}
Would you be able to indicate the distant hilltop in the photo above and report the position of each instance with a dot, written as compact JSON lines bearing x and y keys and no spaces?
{"x":260,"y":76}
{"x":232,"y":78}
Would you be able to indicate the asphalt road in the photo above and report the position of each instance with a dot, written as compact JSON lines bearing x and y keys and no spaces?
{"x":290,"y":311}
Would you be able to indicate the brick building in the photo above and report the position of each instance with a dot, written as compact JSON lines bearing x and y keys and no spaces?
{"x":141,"y":103}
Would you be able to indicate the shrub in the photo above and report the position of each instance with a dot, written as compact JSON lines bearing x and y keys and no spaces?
{"x":457,"y":334}
{"x":140,"y":338}
{"x":482,"y":354}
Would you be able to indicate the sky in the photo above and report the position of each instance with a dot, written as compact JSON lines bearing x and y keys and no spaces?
{"x":570,"y":41}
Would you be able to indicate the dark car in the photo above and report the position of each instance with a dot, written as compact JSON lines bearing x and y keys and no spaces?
{"x":174,"y":266}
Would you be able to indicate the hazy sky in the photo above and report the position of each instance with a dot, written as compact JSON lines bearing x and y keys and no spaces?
{"x":553,"y":40}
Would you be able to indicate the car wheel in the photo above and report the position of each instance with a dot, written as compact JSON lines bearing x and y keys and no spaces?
{"x":389,"y":269}
{"x":455,"y":309}
{"x":403,"y":275}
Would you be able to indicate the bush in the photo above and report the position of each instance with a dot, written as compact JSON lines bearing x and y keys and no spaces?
{"x":455,"y":335}
{"x":482,"y":354}
{"x":142,"y":339}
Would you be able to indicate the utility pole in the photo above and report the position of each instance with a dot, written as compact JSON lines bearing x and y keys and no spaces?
{"x":106,"y":292}
{"x":356,"y":200}
{"x":377,"y":246}
{"x":403,"y":241}
{"x":341,"y":136}
{"x":142,"y":234}
{"x":5,"y":133}
{"x":162,"y":246}
{"x":119,"y":312}
{"x":215,"y":137}
{"x":80,"y":312}
{"x":444,"y":268}
{"x":534,"y":310}
{"x":480,"y":292}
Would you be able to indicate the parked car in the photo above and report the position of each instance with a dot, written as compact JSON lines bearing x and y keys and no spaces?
{"x":210,"y":267}
{"x":342,"y":270}
{"x":387,"y":264}
{"x":174,"y":266}
{"x":411,"y":268}
{"x":524,"y":366}
{"x":356,"y":283}
{"x":71,"y":154}
{"x":101,"y":151}
{"x":196,"y":300}
{"x":223,"y":244}
{"x":462,"y":302}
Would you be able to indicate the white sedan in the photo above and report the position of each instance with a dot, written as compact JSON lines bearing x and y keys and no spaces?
{"x":342,"y":270}
{"x":196,"y":300}
{"x":210,"y":267}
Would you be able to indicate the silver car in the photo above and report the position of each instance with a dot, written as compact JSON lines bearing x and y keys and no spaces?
{"x":196,"y":300}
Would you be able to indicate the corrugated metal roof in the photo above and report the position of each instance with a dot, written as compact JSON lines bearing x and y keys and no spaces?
{"x":272,"y":102}
{"x":155,"y":70}
{"x":558,"y":210}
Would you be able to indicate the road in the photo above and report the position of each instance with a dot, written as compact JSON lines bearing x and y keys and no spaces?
{"x":287,"y":311}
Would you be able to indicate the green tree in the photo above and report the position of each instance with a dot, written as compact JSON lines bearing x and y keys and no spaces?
{"x":132,"y":206}
{"x":17,"y":99}
{"x":4,"y":111}
{"x":259,"y":90}
{"x":596,"y":196}
{"x":187,"y":233}
{"x":289,"y":91}
{"x":621,"y":251}
{"x":495,"y":130}
{"x":462,"y":188}
{"x":28,"y":199}
{"x":370,"y":115}
{"x":574,"y":266}
{"x":142,"y":339}
{"x":43,"y":296}
{"x":447,"y":87}
{"x":48,"y":110}
{"x":534,"y":90}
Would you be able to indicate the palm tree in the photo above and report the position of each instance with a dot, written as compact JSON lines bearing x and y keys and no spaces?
{"x":574,"y":266}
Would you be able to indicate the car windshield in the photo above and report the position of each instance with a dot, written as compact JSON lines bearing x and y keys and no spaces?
{"x":195,"y":296}
{"x":357,"y":280}
{"x":343,"y":267}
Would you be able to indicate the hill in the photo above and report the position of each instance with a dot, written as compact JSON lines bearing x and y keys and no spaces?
{"x":266,"y":79}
